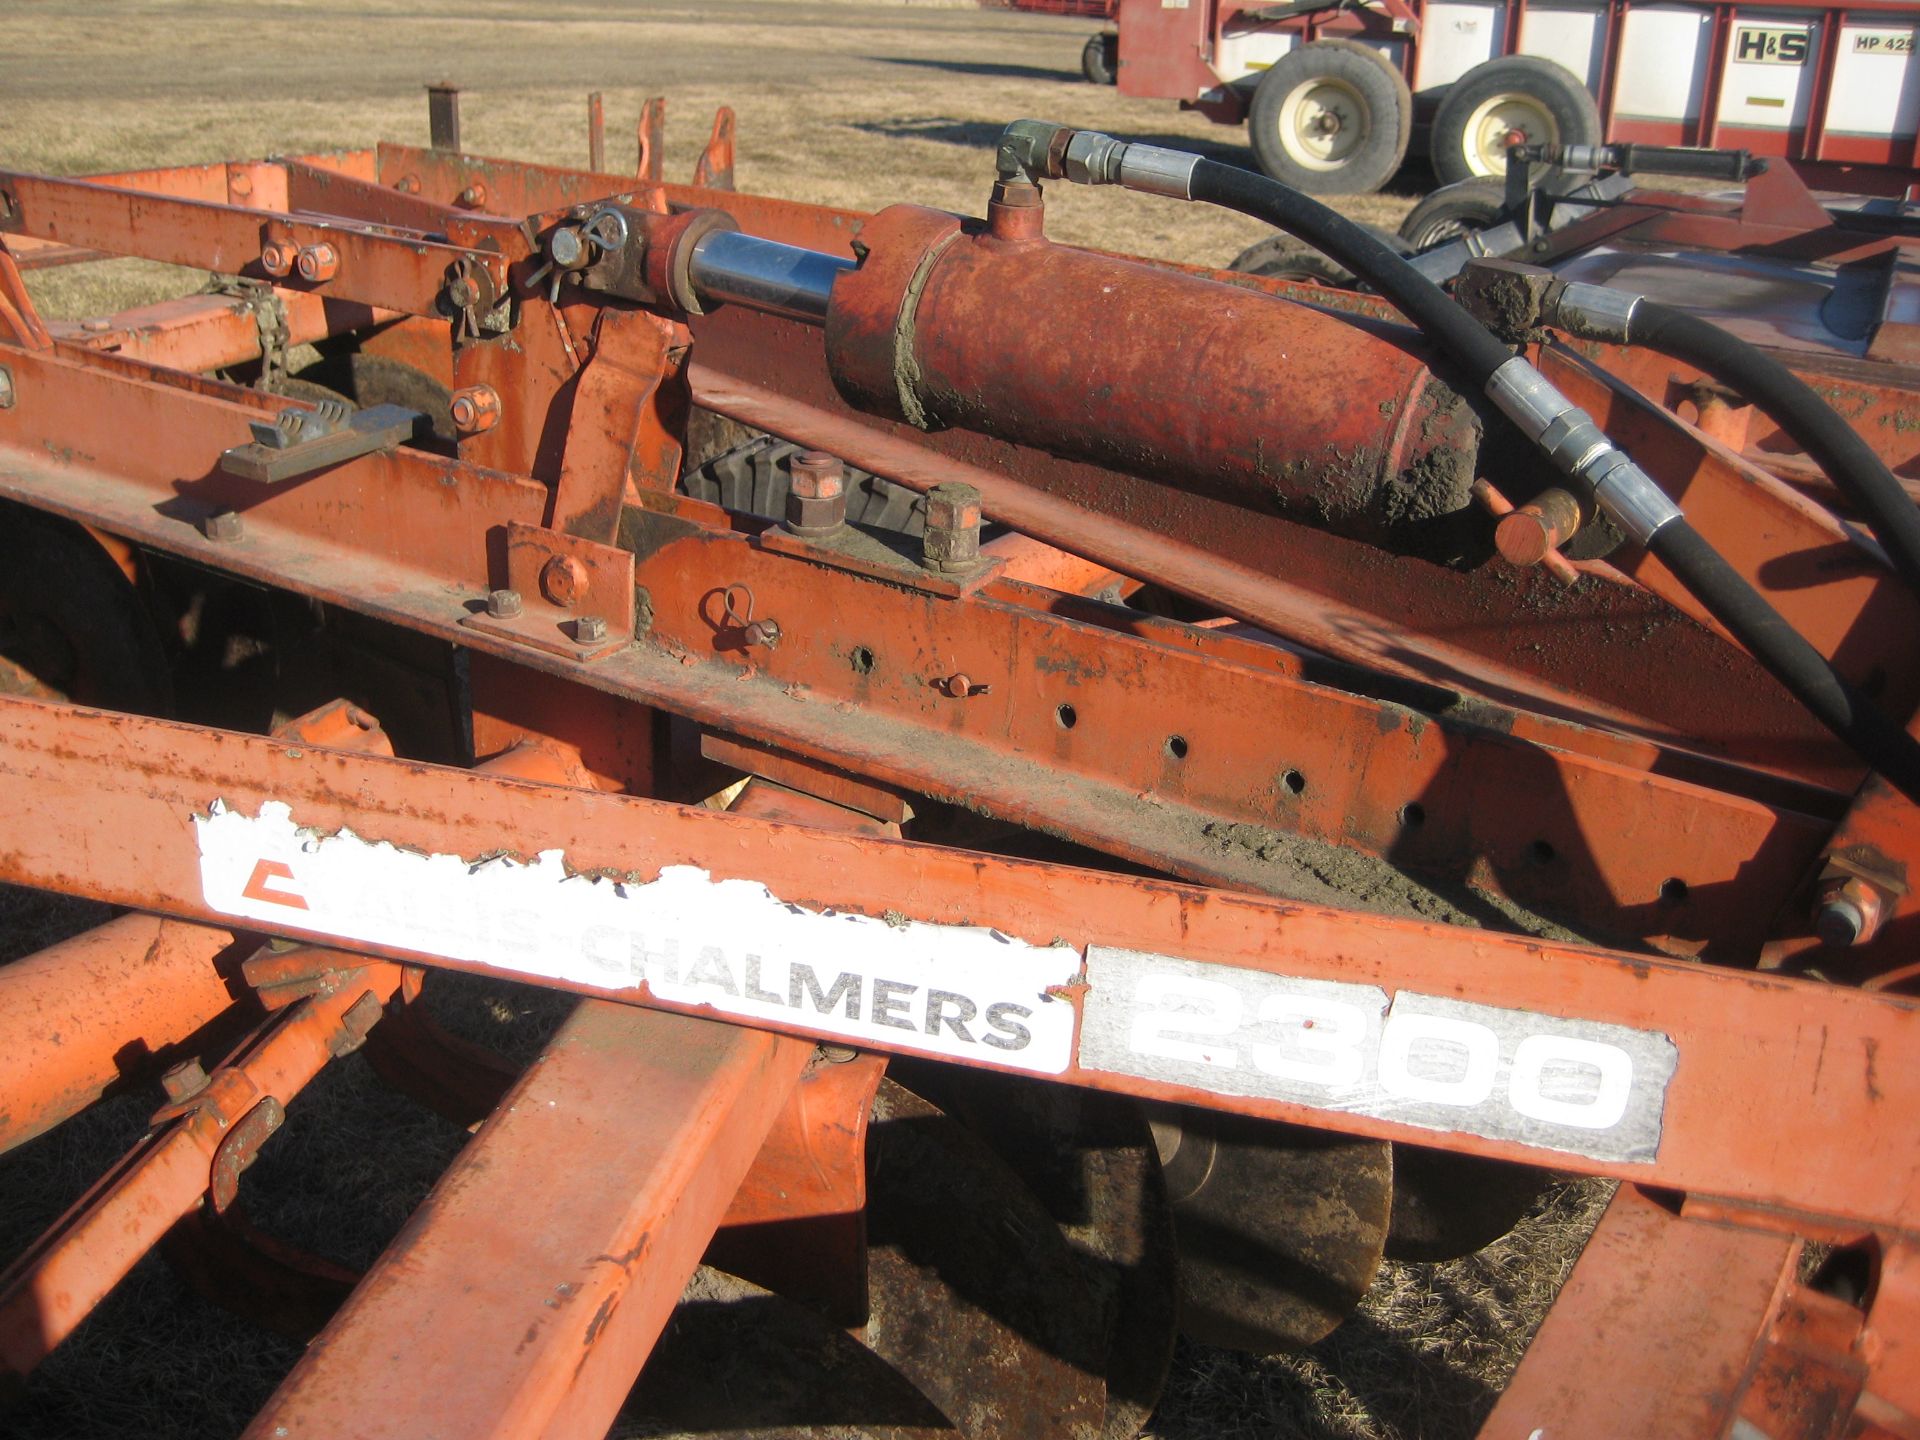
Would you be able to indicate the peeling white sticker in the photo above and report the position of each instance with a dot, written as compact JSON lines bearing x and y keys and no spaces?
{"x":955,"y":990}
{"x":1581,"y":1086}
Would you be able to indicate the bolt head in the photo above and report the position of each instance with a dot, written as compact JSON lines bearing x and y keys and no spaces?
{"x":504,"y":604}
{"x":953,"y":507}
{"x":317,"y":263}
{"x":566,"y":248}
{"x":226,"y":527}
{"x":1849,"y":912}
{"x":277,"y":258}
{"x":563,"y":580}
{"x":817,"y":475}
{"x":185,"y":1079}
{"x":589,"y":630}
{"x":474,"y":409}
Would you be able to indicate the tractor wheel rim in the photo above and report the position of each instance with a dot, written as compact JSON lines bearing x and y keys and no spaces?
{"x":1494,"y":123}
{"x":1323,"y":122}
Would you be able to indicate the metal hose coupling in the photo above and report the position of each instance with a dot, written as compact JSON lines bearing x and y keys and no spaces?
{"x":1041,"y":150}
{"x":1579,"y":448}
{"x":1590,"y":312}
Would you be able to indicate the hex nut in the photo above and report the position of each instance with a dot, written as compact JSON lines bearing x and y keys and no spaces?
{"x":475,"y":409}
{"x":563,"y":580}
{"x":318,"y":264}
{"x":225,"y":527}
{"x":277,"y":258}
{"x":504,"y":604}
{"x":589,"y":630}
{"x":952,"y":540}
{"x":818,"y":475}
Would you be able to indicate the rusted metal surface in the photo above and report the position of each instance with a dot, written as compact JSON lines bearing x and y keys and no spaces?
{"x":1412,"y":727}
{"x":47,"y":1292}
{"x":924,"y":332}
{"x":112,"y":1002}
{"x":1800,"y":1131}
{"x":565,"y":1307}
{"x":1683,"y":1311}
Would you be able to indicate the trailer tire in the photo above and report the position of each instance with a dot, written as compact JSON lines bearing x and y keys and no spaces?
{"x":1100,"y":59}
{"x":1340,"y":84}
{"x":1544,"y":102}
{"x":1284,"y":257}
{"x":1462,"y":208}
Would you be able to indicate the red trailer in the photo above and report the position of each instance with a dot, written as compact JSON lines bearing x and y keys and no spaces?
{"x":1332,"y":93}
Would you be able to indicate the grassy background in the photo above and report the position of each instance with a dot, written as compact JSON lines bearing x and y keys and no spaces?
{"x":849,"y":104}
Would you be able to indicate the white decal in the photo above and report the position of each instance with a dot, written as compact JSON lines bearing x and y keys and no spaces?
{"x":956,"y":990}
{"x":1581,"y":1086}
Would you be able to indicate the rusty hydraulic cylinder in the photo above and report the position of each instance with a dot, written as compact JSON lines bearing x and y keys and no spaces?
{"x":78,"y":1009}
{"x":1261,"y":401}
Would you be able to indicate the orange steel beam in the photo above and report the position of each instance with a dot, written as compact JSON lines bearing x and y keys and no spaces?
{"x":81,"y":1012}
{"x":48,"y":1291}
{"x":206,"y":332}
{"x":546,"y":1261}
{"x":390,"y":536}
{"x":1682,"y":1328}
{"x":1783,"y":1092}
{"x":406,"y":273}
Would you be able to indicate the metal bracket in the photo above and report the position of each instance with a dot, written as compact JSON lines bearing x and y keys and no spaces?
{"x":564,"y":595}
{"x":300,"y":441}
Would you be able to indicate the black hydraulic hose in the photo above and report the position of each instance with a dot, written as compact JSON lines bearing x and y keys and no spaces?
{"x":1574,"y":442}
{"x":1835,"y":446}
{"x":1464,"y":338}
{"x":1788,"y":657}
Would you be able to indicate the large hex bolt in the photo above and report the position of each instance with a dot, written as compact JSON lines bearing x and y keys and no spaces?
{"x":951,"y":545}
{"x":817,"y":500}
{"x":475,"y":409}
{"x":317,"y":264}
{"x":1848,"y":912}
{"x":278,"y":257}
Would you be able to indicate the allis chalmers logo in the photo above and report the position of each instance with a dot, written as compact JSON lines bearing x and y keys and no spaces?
{"x":267,"y":883}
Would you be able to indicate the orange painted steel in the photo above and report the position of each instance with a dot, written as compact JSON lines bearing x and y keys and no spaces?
{"x":209,"y":332}
{"x":1596,"y":752}
{"x":51,"y":1289}
{"x":86,"y":1012}
{"x":1783,"y":1099}
{"x":389,"y":536}
{"x":544,"y":1296}
{"x":1666,"y":1328}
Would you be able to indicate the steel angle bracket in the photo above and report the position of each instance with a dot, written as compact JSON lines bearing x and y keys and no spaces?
{"x":562,"y":594}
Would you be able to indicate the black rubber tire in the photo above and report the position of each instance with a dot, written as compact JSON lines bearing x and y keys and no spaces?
{"x":1462,"y":208}
{"x":1284,"y":257}
{"x":72,"y":626}
{"x":1556,"y":90}
{"x":1386,"y":128}
{"x":1100,"y":59}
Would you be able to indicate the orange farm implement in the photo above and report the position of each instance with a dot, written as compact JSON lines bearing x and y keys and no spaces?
{"x":1080,"y":796}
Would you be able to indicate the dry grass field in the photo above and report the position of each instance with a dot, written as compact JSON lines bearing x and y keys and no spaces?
{"x":841,"y":103}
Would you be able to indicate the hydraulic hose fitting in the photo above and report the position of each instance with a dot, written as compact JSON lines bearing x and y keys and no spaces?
{"x":1041,"y":150}
{"x":1580,"y":449}
{"x":1591,"y":312}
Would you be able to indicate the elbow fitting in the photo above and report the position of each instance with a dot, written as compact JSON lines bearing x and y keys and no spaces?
{"x":1036,"y":150}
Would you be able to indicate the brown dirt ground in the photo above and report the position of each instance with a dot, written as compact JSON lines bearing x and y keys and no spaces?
{"x":839,"y":103}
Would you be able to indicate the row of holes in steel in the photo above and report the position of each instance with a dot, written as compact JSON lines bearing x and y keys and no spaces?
{"x":1673,"y":890}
